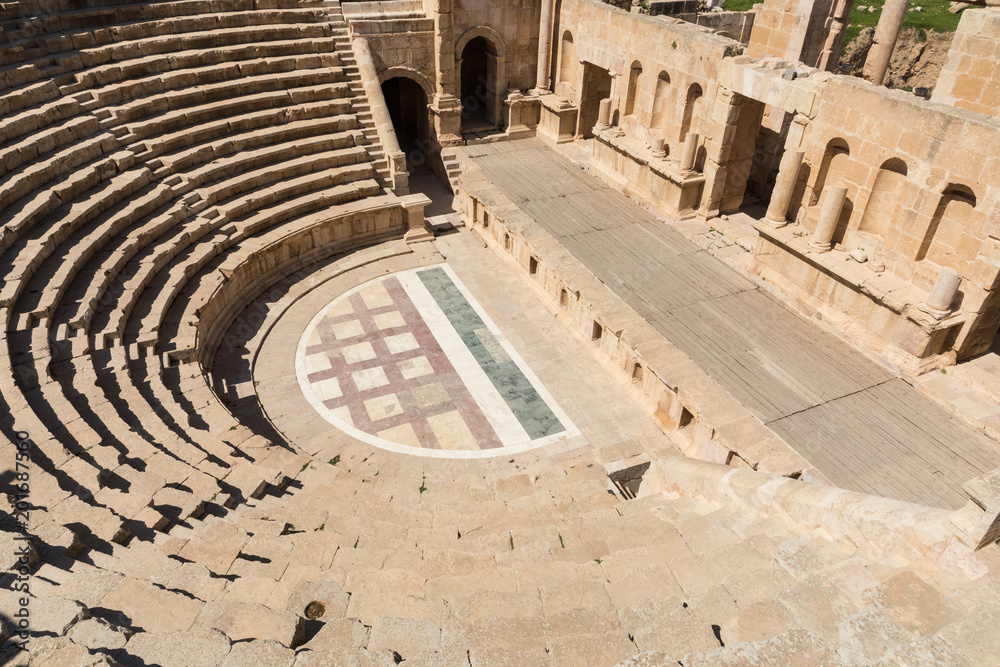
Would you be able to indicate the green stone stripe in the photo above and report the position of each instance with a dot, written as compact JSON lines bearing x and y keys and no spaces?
{"x":522,"y":398}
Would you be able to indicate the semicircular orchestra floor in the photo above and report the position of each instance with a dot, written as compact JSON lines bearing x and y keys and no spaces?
{"x":411,"y":363}
{"x":438,"y":350}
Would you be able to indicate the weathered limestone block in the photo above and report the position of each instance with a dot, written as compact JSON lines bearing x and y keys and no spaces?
{"x":151,"y":608}
{"x":96,"y":633}
{"x":59,"y":651}
{"x":339,"y":633}
{"x":969,"y":638}
{"x":251,"y":621}
{"x":175,"y":649}
{"x":56,"y":615}
{"x":265,"y":653}
{"x":915,"y":605}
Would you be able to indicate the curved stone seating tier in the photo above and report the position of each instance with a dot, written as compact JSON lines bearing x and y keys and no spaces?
{"x":133,"y":151}
{"x":158,"y":255}
{"x":86,"y":291}
{"x":66,"y":55}
{"x":86,"y":242}
{"x":260,"y":261}
{"x":12,"y":187}
{"x":122,"y":186}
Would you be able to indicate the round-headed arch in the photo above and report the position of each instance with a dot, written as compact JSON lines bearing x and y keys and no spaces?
{"x":491,"y":36}
{"x":408,"y":73}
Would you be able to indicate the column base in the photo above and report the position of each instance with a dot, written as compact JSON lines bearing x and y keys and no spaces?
{"x":934,"y":312}
{"x":538,"y":92}
{"x":820,"y":247}
{"x":776,"y":224}
{"x":418,"y":236}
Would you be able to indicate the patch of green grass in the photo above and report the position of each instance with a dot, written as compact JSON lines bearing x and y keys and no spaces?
{"x":935,"y":16}
{"x":335,"y":460}
{"x":740,"y":5}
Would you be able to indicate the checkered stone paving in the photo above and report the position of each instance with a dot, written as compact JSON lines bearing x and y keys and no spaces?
{"x":411,"y":363}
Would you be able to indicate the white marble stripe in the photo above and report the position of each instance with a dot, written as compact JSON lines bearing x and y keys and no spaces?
{"x":482,"y":389}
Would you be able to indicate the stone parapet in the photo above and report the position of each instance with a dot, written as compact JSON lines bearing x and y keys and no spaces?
{"x":631,"y":167}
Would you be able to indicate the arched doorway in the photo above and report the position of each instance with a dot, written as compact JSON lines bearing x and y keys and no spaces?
{"x":479,"y":82}
{"x":407,"y":103}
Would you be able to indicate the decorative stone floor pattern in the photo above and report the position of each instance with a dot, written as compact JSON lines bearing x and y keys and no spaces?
{"x":411,"y":363}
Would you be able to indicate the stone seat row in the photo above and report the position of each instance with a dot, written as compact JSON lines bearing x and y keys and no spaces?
{"x":88,"y":241}
{"x":265,"y":226}
{"x":72,"y":124}
{"x":120,"y":250}
{"x":109,"y":207}
{"x":37,"y":65}
{"x":68,"y":31}
{"x":178,"y":62}
{"x":126,"y":22}
{"x":145,"y":327}
{"x":18,"y":185}
{"x":178,"y":239}
{"x":38,"y":207}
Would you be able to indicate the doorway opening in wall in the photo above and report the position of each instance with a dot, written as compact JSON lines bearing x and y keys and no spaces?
{"x":407,"y":105}
{"x":406,"y":101}
{"x":479,"y":63}
{"x":769,"y":146}
{"x":739,"y":163}
{"x":596,"y":87}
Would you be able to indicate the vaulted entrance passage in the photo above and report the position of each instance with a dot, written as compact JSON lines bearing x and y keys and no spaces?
{"x":596,"y":87}
{"x":407,"y":105}
{"x":479,"y":81}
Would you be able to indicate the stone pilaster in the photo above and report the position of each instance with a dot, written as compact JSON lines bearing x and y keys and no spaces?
{"x":445,"y":107}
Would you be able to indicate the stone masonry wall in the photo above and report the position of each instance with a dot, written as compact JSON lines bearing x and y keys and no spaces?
{"x":935,"y":215}
{"x":971,"y":75}
{"x":516,"y":24}
{"x":673,"y":56}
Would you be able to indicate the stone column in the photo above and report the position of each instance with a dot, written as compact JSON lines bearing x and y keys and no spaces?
{"x":690,"y":151}
{"x":884,"y":41}
{"x":656,"y":148}
{"x":380,"y":115}
{"x":544,"y":49}
{"x":603,"y":116}
{"x":829,"y":215}
{"x":939,"y":301}
{"x":784,"y":186}
{"x":445,"y":106}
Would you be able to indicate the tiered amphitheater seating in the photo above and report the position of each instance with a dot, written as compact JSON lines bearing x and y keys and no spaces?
{"x":140,"y":145}
{"x":146,"y":151}
{"x":450,"y":575}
